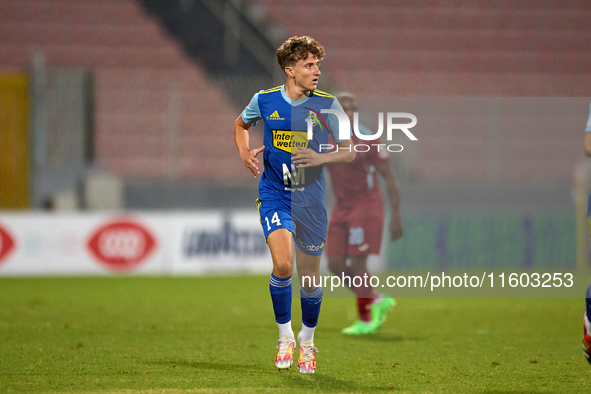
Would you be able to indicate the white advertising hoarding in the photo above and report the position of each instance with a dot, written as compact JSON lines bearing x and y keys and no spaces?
{"x":81,"y":244}
{"x":213,"y":242}
{"x":38,"y":244}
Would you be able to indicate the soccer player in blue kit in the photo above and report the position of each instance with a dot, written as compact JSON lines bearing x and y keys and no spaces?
{"x":291,"y":188}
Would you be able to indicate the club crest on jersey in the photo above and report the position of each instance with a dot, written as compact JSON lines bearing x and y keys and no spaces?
{"x":275,"y":116}
{"x":289,"y":141}
{"x":315,"y":117}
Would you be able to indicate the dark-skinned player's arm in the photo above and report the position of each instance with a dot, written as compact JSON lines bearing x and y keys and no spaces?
{"x":387,"y":173}
{"x":588,"y":144}
{"x":241,"y":139}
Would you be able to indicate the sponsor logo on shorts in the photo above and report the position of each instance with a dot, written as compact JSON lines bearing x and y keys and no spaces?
{"x":310,"y":248}
{"x":121,"y":245}
{"x":364,"y":247}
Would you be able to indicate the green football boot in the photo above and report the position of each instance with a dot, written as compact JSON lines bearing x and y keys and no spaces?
{"x":379,"y":310}
{"x":359,"y":328}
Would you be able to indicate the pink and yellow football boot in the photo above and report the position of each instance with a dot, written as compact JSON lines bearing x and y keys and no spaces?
{"x":587,"y":338}
{"x":285,"y":348}
{"x":307,"y":359}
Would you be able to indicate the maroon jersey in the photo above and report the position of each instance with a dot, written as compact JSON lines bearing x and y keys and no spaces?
{"x":357,"y":179}
{"x":357,"y":219}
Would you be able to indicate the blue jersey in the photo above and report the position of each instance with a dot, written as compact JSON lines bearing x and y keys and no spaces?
{"x":286,"y":130}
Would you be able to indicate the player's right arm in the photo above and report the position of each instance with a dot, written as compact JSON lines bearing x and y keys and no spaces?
{"x":385,"y":170}
{"x":588,"y":144}
{"x":588,"y":135}
{"x":241,"y":139}
{"x":249,"y":117}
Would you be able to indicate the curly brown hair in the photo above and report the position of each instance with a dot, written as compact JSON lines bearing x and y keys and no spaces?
{"x":297,"y":48}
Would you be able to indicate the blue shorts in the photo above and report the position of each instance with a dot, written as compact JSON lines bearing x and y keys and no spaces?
{"x":307,"y":224}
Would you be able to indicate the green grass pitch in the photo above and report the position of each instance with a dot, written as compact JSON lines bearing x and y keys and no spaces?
{"x":218,"y":335}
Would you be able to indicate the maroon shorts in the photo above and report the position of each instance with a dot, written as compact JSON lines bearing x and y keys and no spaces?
{"x":355,"y":230}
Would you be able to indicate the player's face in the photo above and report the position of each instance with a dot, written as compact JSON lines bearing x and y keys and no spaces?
{"x":306,"y":72}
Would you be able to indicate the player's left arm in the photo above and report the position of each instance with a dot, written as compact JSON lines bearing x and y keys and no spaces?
{"x":305,"y":157}
{"x":387,"y":173}
{"x":587,"y":144}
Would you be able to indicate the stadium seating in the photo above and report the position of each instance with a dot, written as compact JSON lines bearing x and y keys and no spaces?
{"x":463,"y":48}
{"x":376,"y":48}
{"x":157,"y":114}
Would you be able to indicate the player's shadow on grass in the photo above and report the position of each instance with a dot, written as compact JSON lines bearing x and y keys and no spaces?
{"x":383,"y":337}
{"x":211,"y":366}
{"x":511,"y":391}
{"x":323,"y":383}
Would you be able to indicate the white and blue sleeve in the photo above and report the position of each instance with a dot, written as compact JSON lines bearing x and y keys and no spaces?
{"x":332,"y":122}
{"x":252,"y":113}
{"x":365,"y":131}
{"x":588,"y":128}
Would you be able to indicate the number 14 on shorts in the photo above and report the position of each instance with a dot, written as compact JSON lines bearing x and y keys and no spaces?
{"x":274,"y":220}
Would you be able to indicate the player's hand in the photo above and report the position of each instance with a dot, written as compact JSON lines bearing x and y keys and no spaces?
{"x":304,"y":157}
{"x":249,"y":158}
{"x":395,"y":227}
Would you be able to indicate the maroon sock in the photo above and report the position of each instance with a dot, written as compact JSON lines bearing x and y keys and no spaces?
{"x":364,"y":309}
{"x":365,"y":296}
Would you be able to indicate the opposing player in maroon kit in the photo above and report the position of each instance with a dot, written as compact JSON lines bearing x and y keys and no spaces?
{"x":356,"y":222}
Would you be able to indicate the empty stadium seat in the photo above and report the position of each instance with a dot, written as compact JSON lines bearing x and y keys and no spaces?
{"x":136,"y":66}
{"x":519,"y":48}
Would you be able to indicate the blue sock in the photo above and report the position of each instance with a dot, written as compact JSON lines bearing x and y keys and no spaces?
{"x":280,"y":289}
{"x":588,"y":300}
{"x":311,"y":301}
